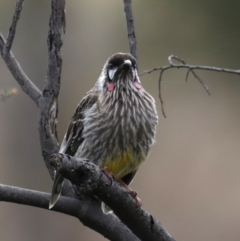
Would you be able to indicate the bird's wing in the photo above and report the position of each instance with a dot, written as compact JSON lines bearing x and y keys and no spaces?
{"x":72,"y":140}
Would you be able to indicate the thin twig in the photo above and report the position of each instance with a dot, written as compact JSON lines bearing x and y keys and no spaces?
{"x":12,"y":30}
{"x":170,"y":59}
{"x":190,"y":68}
{"x":160,"y":93}
{"x":130,"y":27}
{"x":199,"y":80}
{"x":23,"y":80}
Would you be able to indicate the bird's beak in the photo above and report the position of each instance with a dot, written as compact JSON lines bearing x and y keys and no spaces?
{"x":126,"y":65}
{"x":124,"y":68}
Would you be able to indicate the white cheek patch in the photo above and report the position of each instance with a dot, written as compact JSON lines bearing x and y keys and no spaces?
{"x":111,"y":73}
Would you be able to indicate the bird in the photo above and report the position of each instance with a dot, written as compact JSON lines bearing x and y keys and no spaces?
{"x":114,"y":125}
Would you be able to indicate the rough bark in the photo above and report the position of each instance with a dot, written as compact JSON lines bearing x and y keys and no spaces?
{"x":90,"y":179}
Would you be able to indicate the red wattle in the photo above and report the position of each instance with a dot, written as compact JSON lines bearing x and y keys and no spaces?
{"x":111,"y":87}
{"x":137,"y":85}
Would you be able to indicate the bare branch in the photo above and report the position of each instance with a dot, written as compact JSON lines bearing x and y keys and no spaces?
{"x":170,"y":59}
{"x":14,"y":67}
{"x":89,"y":178}
{"x":200,"y":67}
{"x":130,"y":27}
{"x":12,"y":29}
{"x":107,"y":225}
{"x":49,"y":105}
{"x":5,"y":49}
{"x":190,"y":68}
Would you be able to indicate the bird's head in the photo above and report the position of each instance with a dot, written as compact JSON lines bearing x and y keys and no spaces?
{"x":118,"y":72}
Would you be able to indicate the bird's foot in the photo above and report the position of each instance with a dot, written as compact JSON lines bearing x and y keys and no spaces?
{"x":131,"y":192}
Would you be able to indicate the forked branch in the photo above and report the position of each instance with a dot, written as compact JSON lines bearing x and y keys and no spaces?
{"x":14,"y":67}
{"x":190,"y":68}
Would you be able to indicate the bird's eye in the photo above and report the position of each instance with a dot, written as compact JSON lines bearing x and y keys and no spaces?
{"x":110,"y":66}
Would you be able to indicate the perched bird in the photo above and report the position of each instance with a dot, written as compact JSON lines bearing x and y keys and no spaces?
{"x":114,"y":125}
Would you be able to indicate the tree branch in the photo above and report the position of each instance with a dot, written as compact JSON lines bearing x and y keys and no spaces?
{"x":130,"y":27}
{"x":14,"y":67}
{"x":89,"y":179}
{"x":92,"y":216}
{"x":190,"y":68}
{"x":49,"y":105}
{"x":5,"y":49}
{"x":12,"y":29}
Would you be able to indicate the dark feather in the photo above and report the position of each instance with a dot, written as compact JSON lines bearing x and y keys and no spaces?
{"x":73,"y":138}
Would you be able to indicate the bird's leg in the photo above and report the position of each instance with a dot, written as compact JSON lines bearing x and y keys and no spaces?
{"x":132,"y":193}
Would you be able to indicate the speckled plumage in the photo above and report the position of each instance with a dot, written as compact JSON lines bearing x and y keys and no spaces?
{"x":114,"y":125}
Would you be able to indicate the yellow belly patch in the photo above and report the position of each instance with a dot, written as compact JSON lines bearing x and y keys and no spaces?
{"x":122,"y":164}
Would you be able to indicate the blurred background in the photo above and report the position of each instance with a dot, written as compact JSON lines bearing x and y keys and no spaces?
{"x":191,"y":179}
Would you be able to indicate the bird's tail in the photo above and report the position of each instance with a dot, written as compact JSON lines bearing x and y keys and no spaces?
{"x":56,"y":189}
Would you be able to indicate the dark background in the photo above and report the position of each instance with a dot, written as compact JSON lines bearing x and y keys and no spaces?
{"x":191,"y":179}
